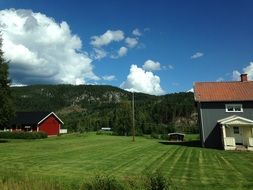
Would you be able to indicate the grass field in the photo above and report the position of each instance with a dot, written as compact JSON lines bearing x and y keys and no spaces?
{"x":72,"y":158}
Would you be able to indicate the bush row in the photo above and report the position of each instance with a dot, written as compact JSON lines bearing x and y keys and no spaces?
{"x":101,"y":132}
{"x":160,"y":136}
{"x":23,"y":135}
{"x":154,"y":181}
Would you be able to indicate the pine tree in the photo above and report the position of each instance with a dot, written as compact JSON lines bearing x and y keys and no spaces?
{"x":6,"y":104}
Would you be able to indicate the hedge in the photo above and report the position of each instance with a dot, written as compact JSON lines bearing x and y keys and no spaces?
{"x":23,"y":135}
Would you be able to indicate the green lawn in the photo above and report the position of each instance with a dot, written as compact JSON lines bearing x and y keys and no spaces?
{"x":73,"y":158}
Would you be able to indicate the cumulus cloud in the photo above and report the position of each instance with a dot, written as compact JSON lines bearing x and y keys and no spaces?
{"x":236,"y":75}
{"x":17,"y":85}
{"x":136,"y":32}
{"x":102,"y":45}
{"x":109,"y":77}
{"x":168,"y":67}
{"x":248,"y":70}
{"x":220,"y":79}
{"x":108,"y":37}
{"x":197,"y":55}
{"x":150,"y":65}
{"x":140,"y":80}
{"x":98,"y":53}
{"x":131,"y":42}
{"x":191,"y":90}
{"x":41,"y":50}
{"x":121,"y":52}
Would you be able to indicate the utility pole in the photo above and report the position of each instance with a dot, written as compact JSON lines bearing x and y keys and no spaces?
{"x":133,"y":129}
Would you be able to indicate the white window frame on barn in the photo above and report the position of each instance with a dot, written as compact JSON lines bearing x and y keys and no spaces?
{"x":234,"y":108}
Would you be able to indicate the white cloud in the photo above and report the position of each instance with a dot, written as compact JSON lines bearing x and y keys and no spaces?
{"x":248,"y":70}
{"x":121,"y":52}
{"x":101,"y":44}
{"x":98,"y":53}
{"x":220,"y":79}
{"x":131,"y":42}
{"x":17,"y":85}
{"x":236,"y":75}
{"x":191,"y":90}
{"x":106,"y":38}
{"x":41,"y":50}
{"x":136,"y":32}
{"x":150,"y":65}
{"x":197,"y":55}
{"x":168,"y":67}
{"x":109,"y":77}
{"x":140,"y":80}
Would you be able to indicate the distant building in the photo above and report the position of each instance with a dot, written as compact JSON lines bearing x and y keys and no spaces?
{"x":176,"y":137}
{"x":106,"y":129}
{"x":47,"y":122}
{"x":225,"y":111}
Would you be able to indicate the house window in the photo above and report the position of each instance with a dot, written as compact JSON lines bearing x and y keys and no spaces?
{"x":236,"y":130}
{"x":234,"y":108}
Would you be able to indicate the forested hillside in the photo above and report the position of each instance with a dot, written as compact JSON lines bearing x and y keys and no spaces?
{"x":91,"y":107}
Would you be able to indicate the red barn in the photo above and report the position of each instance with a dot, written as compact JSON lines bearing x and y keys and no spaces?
{"x":47,"y":122}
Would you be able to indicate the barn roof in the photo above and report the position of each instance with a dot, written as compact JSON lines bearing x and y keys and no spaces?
{"x":176,"y":134}
{"x":223,"y":91}
{"x":31,"y":117}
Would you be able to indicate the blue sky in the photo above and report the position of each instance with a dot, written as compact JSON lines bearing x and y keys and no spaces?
{"x":183,"y":42}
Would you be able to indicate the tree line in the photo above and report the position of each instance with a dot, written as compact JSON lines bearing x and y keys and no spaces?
{"x":160,"y":115}
{"x":91,"y":107}
{"x":6,"y":103}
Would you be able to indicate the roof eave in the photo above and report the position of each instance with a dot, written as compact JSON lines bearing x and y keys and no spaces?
{"x":48,"y":116}
{"x":223,"y":100}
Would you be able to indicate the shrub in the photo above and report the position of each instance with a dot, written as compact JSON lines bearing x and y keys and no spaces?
{"x":102,"y":182}
{"x":155,"y":135}
{"x":22,"y":181}
{"x":164,"y":137}
{"x":157,"y":181}
{"x":25,"y":181}
{"x":102,"y":132}
{"x":23,"y":135}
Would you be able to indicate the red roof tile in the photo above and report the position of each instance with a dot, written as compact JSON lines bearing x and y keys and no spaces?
{"x":223,"y":91}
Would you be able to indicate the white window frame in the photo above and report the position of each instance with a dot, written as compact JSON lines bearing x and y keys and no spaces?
{"x":234,"y":105}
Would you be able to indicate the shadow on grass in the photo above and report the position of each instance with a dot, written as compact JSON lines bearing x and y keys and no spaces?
{"x":194,"y":143}
{"x":3,"y":141}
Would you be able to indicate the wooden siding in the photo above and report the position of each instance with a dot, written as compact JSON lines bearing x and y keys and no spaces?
{"x":210,"y":113}
{"x":51,"y":126}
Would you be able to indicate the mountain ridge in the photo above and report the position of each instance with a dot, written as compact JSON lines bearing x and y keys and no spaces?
{"x":90,"y":107}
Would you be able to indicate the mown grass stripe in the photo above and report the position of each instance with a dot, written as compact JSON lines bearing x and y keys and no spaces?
{"x":187,"y":167}
{"x":72,"y":158}
{"x":161,"y":160}
{"x":232,"y":168}
{"x":174,"y":163}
